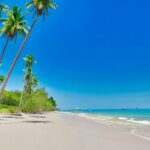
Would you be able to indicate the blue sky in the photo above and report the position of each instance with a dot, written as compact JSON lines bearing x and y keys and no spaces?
{"x":90,"y":53}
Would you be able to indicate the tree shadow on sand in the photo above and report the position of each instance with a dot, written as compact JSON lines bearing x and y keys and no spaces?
{"x":37,"y":121}
{"x":12,"y":117}
{"x":34,"y":116}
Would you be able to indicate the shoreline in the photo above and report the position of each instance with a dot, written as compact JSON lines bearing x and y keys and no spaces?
{"x":118,"y":120}
{"x":64,"y":131}
{"x":112,"y":117}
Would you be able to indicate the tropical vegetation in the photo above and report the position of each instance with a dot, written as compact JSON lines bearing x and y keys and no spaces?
{"x":3,"y":8}
{"x":2,"y":78}
{"x":38,"y":102}
{"x":30,"y":80}
{"x":32,"y":98}
{"x":13,"y":25}
{"x":41,"y":9}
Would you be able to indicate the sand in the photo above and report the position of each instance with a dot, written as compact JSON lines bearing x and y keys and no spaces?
{"x":62,"y":131}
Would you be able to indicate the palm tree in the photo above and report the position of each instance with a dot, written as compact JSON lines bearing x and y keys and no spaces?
{"x":41,"y":8}
{"x":29,"y":77}
{"x":2,"y":78}
{"x":13,"y":25}
{"x":30,"y":80}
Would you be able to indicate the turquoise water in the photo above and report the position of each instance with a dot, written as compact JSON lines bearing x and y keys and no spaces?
{"x":137,"y":114}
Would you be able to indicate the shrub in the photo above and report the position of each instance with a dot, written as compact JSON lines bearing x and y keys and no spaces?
{"x":11,"y":98}
{"x":37,"y":102}
{"x":8,"y":109}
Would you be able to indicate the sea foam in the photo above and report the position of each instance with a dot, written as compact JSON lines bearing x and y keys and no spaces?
{"x":110,"y":118}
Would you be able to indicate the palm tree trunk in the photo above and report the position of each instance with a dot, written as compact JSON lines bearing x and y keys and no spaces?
{"x":4,"y":50}
{"x":17,"y":55}
{"x":21,"y":99}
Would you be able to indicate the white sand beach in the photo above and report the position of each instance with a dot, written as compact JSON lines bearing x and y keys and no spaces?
{"x":62,"y":131}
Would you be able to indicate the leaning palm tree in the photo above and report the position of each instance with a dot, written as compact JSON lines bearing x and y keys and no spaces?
{"x":2,"y":78}
{"x":30,"y":80}
{"x":41,"y":9}
{"x":13,"y":25}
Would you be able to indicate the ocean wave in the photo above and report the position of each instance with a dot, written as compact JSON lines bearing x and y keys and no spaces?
{"x":132,"y":120}
{"x":122,"y":118}
{"x":144,"y":122}
{"x":86,"y":116}
{"x":95,"y":117}
{"x":113,"y":119}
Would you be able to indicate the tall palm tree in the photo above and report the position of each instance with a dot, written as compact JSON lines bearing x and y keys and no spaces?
{"x":41,"y":8}
{"x":13,"y":25}
{"x":30,"y":80}
{"x":29,"y":77}
{"x":28,"y":88}
{"x":2,"y":78}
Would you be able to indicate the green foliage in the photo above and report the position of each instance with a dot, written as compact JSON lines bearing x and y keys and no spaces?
{"x":14,"y":23}
{"x":10,"y":98}
{"x":2,"y":78}
{"x":52,"y":100}
{"x":37,"y":102}
{"x":3,"y":8}
{"x":41,"y":6}
{"x":8,"y":109}
{"x":30,"y":79}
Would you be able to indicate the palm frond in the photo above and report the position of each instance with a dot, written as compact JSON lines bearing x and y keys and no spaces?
{"x":29,"y":4}
{"x":14,"y":23}
{"x":41,"y":6}
{"x":3,"y":8}
{"x":3,"y":19}
{"x":52,"y":5}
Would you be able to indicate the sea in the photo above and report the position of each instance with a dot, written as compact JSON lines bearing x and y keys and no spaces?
{"x":138,"y":116}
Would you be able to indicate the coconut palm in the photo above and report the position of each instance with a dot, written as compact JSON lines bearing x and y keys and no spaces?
{"x":29,"y":77}
{"x":13,"y":25}
{"x":30,"y":80}
{"x":2,"y":78}
{"x":41,"y":9}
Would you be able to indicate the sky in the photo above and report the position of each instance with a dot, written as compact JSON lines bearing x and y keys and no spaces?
{"x":90,"y":53}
